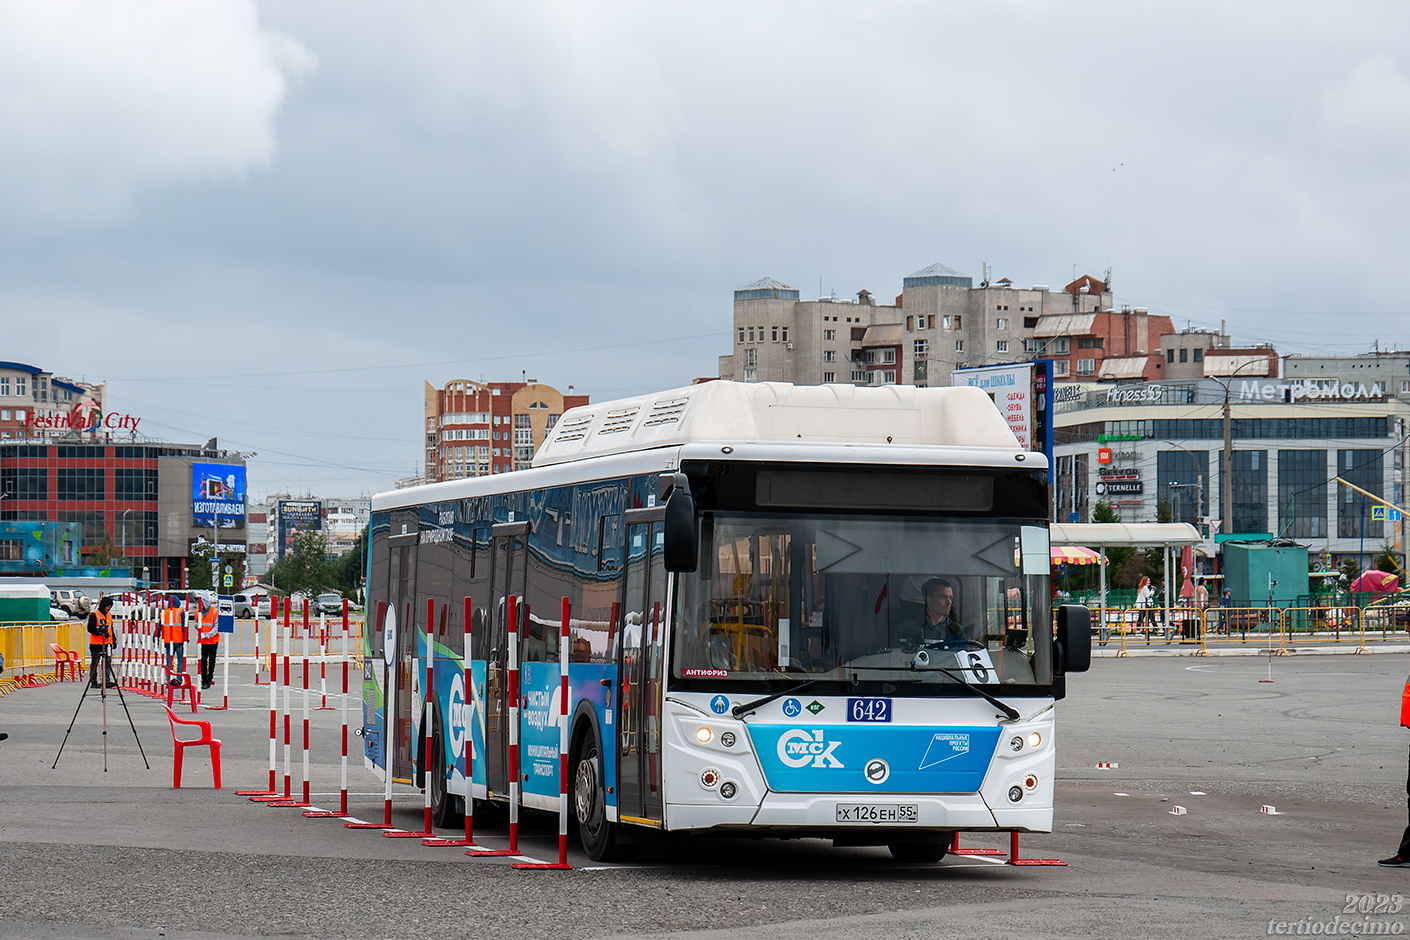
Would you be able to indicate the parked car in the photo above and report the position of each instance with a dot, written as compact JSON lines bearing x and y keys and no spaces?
{"x":56,"y":612}
{"x":73,"y":601}
{"x":251,"y":605}
{"x":329,"y":604}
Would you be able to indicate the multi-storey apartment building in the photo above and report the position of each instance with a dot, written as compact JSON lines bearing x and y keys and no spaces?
{"x":939,"y":322}
{"x":36,"y":403}
{"x":476,"y":428}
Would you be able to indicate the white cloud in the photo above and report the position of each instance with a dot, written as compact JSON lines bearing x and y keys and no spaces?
{"x":101,"y":99}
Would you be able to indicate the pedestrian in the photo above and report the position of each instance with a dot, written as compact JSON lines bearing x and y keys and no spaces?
{"x":1144,"y":615}
{"x":210,"y":642}
{"x":1401,"y":858}
{"x":174,"y":636}
{"x":100,"y":638}
{"x":1201,"y":605}
{"x":1226,"y":600}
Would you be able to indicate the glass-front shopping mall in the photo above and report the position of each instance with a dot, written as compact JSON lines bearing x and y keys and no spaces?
{"x":1140,"y":446}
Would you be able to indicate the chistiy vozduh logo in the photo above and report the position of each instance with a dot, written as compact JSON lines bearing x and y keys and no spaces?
{"x":799,"y":748}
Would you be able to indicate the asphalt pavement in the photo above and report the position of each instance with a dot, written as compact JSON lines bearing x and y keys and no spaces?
{"x":118,"y":853}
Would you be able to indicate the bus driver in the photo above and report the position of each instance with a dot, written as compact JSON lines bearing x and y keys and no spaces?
{"x":939,"y":625}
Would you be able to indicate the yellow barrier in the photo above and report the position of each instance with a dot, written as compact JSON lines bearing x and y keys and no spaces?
{"x":1131,"y":626}
{"x":29,"y":659}
{"x":1276,"y":629}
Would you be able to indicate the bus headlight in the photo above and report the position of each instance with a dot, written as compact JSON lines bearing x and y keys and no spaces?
{"x":728,"y":789}
{"x":1015,"y":794}
{"x":704,"y":735}
{"x":727,"y":739}
{"x":1034,"y":739}
{"x":1017,"y":743}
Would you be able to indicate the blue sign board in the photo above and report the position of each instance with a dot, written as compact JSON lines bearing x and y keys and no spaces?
{"x":217,"y":489}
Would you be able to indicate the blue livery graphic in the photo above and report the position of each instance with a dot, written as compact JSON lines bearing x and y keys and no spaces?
{"x":920,"y":759}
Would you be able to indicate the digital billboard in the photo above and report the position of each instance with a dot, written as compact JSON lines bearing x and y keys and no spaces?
{"x":297,"y":515}
{"x":217,"y":489}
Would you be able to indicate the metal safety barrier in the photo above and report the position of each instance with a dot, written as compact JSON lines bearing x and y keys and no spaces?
{"x":30,"y":659}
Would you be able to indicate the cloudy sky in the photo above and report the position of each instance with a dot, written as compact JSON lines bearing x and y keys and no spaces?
{"x":270,"y":222}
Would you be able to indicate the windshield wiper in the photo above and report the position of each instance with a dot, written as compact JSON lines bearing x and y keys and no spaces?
{"x":739,"y":711}
{"x":1009,"y":710}
{"x":1012,"y":713}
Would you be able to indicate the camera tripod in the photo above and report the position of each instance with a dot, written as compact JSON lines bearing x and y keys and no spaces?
{"x":103,"y":668}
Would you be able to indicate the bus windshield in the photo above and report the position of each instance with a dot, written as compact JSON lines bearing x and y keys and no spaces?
{"x":911,"y":603}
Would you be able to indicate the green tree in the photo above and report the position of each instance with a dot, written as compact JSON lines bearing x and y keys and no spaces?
{"x":1124,"y":574}
{"x":1388,"y":559}
{"x":305,"y":567}
{"x":105,"y":553}
{"x":349,"y":569}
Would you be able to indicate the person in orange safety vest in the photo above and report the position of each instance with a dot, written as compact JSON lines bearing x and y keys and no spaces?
{"x":1401,"y":858}
{"x":174,"y":636}
{"x":100,"y":637}
{"x":210,"y":642}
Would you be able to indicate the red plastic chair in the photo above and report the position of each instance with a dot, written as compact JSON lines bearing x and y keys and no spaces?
{"x":205,"y":740}
{"x":66,"y":659}
{"x":186,"y":688}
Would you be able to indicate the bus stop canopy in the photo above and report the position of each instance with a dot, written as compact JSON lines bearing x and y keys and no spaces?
{"x":1104,"y":535}
{"x":1093,"y":534}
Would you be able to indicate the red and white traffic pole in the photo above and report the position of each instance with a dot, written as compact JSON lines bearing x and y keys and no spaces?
{"x":562,"y":863}
{"x":512,"y":692}
{"x":288,"y":644}
{"x":272,"y":793}
{"x":308,"y":635}
{"x":388,"y":698}
{"x":466,"y":755}
{"x":426,"y":703}
{"x":259,"y":631}
{"x":323,"y":657}
{"x":342,"y":811}
{"x":288,"y":799}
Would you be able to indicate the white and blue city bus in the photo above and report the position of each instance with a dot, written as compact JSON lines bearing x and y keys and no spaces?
{"x":751,"y":651}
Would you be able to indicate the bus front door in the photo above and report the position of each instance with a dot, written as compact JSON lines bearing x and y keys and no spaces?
{"x":642,"y":629}
{"x":401,"y":594}
{"x":509,"y":558}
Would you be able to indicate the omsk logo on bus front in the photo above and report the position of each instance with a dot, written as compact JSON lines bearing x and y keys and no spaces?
{"x":799,"y":748}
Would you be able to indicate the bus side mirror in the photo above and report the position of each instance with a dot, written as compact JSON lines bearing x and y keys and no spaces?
{"x":682,"y":540}
{"x":1074,"y":639}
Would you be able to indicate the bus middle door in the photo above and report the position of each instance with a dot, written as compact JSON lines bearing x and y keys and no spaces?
{"x":509,"y":557}
{"x":401,"y":596}
{"x":642,"y":630}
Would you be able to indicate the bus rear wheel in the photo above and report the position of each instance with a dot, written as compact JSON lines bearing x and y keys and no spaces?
{"x":598,"y":836}
{"x":928,"y":851}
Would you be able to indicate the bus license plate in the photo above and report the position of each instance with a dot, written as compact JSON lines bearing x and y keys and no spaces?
{"x":868,"y":709}
{"x":876,"y":812}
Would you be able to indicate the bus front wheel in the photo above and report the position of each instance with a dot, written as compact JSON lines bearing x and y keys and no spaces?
{"x":929,"y":851}
{"x":598,"y":836}
{"x":443,"y":804}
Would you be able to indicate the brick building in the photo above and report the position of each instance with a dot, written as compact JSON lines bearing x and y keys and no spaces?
{"x":476,"y":428}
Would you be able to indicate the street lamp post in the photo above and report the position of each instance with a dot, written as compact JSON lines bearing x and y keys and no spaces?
{"x":1226,"y":469}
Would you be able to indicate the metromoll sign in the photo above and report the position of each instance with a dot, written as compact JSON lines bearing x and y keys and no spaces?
{"x":1310,"y":390}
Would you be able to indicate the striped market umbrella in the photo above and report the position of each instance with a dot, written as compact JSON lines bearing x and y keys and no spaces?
{"x":1074,"y":555}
